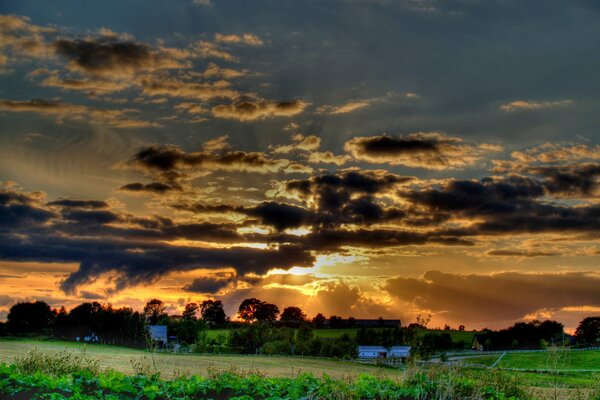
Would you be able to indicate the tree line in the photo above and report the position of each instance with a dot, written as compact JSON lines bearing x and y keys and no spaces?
{"x":262,"y":328}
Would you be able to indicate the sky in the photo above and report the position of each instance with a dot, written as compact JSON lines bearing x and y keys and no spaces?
{"x":351,"y":157}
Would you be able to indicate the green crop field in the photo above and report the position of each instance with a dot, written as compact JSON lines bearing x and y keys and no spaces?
{"x":169,"y":365}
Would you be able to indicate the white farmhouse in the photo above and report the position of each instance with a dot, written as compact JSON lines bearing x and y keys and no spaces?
{"x":399,"y":352}
{"x":372,"y":352}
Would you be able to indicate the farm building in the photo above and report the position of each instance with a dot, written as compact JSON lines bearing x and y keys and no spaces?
{"x":372,"y":352}
{"x":477,"y":343}
{"x":399,"y":352}
{"x":158,"y":333}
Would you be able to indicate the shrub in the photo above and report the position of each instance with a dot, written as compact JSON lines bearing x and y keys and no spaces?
{"x":55,"y":364}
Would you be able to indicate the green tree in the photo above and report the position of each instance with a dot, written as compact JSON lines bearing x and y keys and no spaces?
{"x":588,"y":331}
{"x":213,"y":313}
{"x":154,"y":311}
{"x":292,"y":316}
{"x":26,"y":318}
{"x":190,"y":311}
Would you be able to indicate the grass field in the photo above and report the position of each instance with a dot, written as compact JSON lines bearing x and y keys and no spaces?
{"x":457,"y":336}
{"x":120,"y":359}
{"x":563,"y":360}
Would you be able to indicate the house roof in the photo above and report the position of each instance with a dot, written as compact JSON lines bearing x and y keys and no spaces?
{"x":380,"y":349}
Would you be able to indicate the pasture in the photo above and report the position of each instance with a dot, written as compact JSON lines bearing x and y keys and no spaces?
{"x":168,"y":364}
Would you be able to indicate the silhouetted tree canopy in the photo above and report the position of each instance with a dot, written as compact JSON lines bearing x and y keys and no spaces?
{"x":292,"y":316}
{"x":213,"y":313}
{"x":253,"y":309}
{"x":588,"y":331}
{"x":33,"y":317}
{"x":319,"y":321}
{"x":154,"y":310}
{"x":190,"y":311}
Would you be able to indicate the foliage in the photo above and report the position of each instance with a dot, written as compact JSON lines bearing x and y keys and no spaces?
{"x":588,"y":331}
{"x":292,"y":316}
{"x":64,"y":362}
{"x":33,"y":317}
{"x":190,"y":311}
{"x":524,"y":335}
{"x":154,"y":311}
{"x":213,"y":313}
{"x":442,"y":383}
{"x":253,"y":309}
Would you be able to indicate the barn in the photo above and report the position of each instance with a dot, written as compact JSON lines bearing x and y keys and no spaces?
{"x":477,"y":343}
{"x":158,"y":333}
{"x":372,"y":352}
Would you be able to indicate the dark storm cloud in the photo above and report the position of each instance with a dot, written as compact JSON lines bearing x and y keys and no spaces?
{"x":486,"y":196}
{"x":75,"y":203}
{"x":18,"y":209}
{"x":171,"y":158}
{"x":512,"y":204}
{"x":429,"y":150}
{"x":574,"y":180}
{"x":154,"y":187}
{"x":280,"y":215}
{"x":499,"y":297}
{"x":107,"y":55}
{"x":135,"y":262}
{"x":207,"y":285}
{"x":90,"y":217}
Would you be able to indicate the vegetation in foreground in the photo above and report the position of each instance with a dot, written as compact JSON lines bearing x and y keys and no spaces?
{"x":67,"y":375}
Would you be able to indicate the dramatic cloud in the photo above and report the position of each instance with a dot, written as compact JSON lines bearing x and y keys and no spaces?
{"x":256,"y":109}
{"x":107,"y":55}
{"x":430,"y":150}
{"x":529,"y":105}
{"x":154,"y":187}
{"x":164,"y":159}
{"x":498,"y":298}
{"x":301,"y":142}
{"x":207,"y":284}
{"x":100,"y":116}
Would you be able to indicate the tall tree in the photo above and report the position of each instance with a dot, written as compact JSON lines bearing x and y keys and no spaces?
{"x":266,"y":312}
{"x":292,"y":316}
{"x":213,"y":313}
{"x":190,"y":311}
{"x":247,"y":309}
{"x":154,"y":310}
{"x":33,"y":317}
{"x":588,"y":331}
{"x":319,"y":321}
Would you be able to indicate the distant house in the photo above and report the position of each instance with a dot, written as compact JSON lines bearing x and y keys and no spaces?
{"x":399,"y":352}
{"x":158,"y":333}
{"x":477,"y":343}
{"x":372,"y":352}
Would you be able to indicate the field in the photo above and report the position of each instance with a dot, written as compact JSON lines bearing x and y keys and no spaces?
{"x":562,"y":360}
{"x":457,"y":336}
{"x":171,"y":365}
{"x":120,"y":359}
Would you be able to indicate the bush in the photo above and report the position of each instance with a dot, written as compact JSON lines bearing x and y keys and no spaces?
{"x":55,"y":364}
